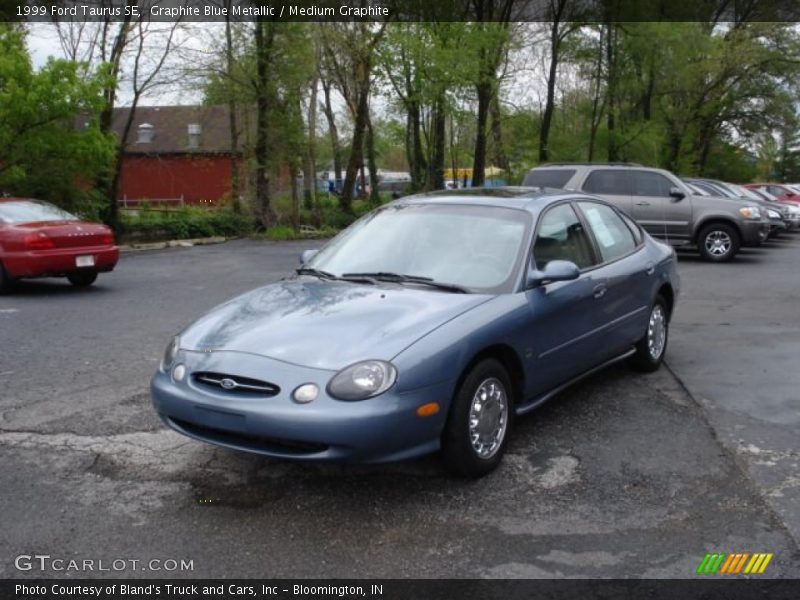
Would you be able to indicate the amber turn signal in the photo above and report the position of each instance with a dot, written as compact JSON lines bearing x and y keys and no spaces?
{"x":426,"y":410}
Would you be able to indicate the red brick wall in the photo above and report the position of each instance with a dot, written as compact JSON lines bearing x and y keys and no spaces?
{"x":196,"y":178}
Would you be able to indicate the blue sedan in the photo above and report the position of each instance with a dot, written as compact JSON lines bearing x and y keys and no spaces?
{"x":427,"y":325}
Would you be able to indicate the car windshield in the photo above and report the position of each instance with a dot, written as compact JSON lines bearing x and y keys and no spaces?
{"x":32,"y":211}
{"x":475,"y":247}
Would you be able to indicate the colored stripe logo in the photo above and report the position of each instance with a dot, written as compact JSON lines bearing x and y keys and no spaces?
{"x":734,"y":563}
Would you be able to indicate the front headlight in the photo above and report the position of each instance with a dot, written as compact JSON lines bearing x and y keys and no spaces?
{"x":750,"y":212}
{"x":773,"y":215}
{"x":362,"y":380}
{"x":170,"y":353}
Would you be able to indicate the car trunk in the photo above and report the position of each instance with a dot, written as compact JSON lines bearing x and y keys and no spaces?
{"x":71,"y":234}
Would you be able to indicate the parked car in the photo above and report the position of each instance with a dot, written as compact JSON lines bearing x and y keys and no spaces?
{"x":429,"y":324}
{"x":793,"y":206}
{"x":778,"y":215}
{"x":779,"y":190}
{"x":663,"y":205}
{"x":38,"y":239}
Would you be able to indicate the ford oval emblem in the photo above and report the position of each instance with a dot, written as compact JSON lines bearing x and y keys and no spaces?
{"x":228,"y":384}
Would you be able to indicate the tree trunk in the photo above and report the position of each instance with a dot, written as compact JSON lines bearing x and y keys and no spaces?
{"x":435,"y":179}
{"x":232,"y":124}
{"x":374,"y":195}
{"x":499,"y":153}
{"x":357,"y":149}
{"x":596,"y":113}
{"x":547,"y":117}
{"x":417,"y":165}
{"x":264,"y":40}
{"x":333,"y":133}
{"x":310,"y":170}
{"x":484,"y":91}
{"x":611,"y":91}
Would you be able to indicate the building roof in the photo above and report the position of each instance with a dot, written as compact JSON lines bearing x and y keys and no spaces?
{"x":170,"y":127}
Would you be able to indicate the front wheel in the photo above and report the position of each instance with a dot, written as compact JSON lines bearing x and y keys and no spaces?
{"x":480,"y":420}
{"x":82,"y":278}
{"x":719,"y":242}
{"x":651,"y":348}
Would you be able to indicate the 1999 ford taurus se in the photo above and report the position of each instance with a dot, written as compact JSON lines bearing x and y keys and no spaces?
{"x":429,"y":324}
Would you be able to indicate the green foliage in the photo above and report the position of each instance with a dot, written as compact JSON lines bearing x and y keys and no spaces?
{"x":185,"y":222}
{"x":48,"y":149}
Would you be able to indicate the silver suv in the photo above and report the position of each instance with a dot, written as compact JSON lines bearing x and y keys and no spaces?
{"x":663,"y":205}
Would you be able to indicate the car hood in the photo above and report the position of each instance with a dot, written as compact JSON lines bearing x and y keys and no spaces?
{"x":326,"y":324}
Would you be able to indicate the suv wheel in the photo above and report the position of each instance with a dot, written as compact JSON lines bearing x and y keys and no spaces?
{"x":479,"y":424}
{"x":718,"y":242}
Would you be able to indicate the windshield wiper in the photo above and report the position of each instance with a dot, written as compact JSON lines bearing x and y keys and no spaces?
{"x":315,"y":272}
{"x":330,"y":276}
{"x":400,"y":278}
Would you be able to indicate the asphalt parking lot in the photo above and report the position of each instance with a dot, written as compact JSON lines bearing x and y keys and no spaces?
{"x":624,"y":475}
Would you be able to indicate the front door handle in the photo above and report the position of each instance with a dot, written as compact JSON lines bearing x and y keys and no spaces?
{"x":599,"y":291}
{"x":642,"y":203}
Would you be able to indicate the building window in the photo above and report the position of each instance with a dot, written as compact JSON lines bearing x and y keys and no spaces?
{"x":146,"y":134}
{"x":194,"y":131}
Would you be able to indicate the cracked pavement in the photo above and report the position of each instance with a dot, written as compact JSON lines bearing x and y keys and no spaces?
{"x":623,"y":475}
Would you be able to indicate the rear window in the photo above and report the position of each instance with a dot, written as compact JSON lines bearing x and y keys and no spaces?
{"x":31,"y":211}
{"x":553,"y":178}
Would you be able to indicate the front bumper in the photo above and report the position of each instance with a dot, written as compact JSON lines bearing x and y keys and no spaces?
{"x":754,"y":232}
{"x":59,"y":261}
{"x":381,"y":429}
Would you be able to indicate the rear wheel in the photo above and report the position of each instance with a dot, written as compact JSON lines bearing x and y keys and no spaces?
{"x":82,"y":278}
{"x":6,"y":281}
{"x":651,"y":348}
{"x":719,"y":242}
{"x":480,"y":420}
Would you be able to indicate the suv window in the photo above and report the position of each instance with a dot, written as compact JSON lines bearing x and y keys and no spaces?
{"x":608,"y":181}
{"x":561,"y":236}
{"x":613,"y":237}
{"x":554,"y":178}
{"x":650,"y":184}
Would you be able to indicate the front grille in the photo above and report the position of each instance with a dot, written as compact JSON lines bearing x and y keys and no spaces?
{"x":236,"y":384}
{"x":249,"y":441}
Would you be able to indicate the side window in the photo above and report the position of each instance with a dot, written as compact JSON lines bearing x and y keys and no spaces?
{"x":613,"y":237}
{"x":635,"y":229}
{"x":776,"y":191}
{"x":561,"y":236}
{"x":608,"y":181}
{"x":650,"y":184}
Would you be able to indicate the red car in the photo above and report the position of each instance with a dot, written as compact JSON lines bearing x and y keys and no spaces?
{"x":38,"y":239}
{"x":781,"y":192}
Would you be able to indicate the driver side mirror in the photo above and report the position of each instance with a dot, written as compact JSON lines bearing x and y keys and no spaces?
{"x":307,"y":255}
{"x":555,"y":270}
{"x":677,"y":193}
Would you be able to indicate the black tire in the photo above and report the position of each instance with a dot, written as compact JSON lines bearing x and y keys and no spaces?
{"x":459,"y":454}
{"x":727,"y":235}
{"x":644,"y":360}
{"x":82,"y":278}
{"x":6,"y":281}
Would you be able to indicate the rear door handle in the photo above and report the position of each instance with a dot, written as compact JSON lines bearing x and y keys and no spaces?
{"x":642,"y":203}
{"x":599,"y":291}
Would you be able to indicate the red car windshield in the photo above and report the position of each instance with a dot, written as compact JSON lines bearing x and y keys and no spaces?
{"x":32,"y":211}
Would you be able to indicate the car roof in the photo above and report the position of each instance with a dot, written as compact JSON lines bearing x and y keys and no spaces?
{"x":531,"y":199}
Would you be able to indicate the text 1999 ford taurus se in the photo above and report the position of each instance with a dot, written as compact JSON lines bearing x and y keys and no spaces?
{"x":428,"y":324}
